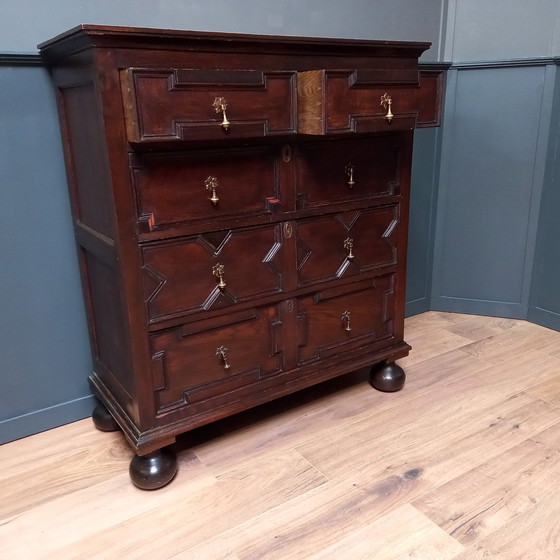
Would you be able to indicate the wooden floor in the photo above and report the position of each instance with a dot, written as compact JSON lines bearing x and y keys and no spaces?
{"x":463,"y":463}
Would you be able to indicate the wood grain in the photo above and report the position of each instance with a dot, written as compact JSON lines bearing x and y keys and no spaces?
{"x":462,"y":464}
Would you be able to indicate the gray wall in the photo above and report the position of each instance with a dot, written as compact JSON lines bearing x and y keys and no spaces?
{"x":44,"y":347}
{"x":544,"y":303}
{"x":496,"y":139}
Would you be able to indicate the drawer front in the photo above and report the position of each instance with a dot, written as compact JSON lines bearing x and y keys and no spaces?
{"x":336,"y":172}
{"x":340,"y":320}
{"x":346,"y":244}
{"x":211,"y":271}
{"x":191,"y":366}
{"x":343,"y":101}
{"x":175,"y":190}
{"x":187,"y":104}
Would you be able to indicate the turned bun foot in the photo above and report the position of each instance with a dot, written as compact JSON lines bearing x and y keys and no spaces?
{"x":154,"y":470}
{"x":102,"y":420}
{"x":387,"y":377}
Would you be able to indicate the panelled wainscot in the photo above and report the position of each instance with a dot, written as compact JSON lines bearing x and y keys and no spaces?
{"x":241,"y":208}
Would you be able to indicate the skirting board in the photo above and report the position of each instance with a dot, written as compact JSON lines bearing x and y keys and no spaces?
{"x":45,"y":419}
{"x":544,"y":318}
{"x":479,"y":307}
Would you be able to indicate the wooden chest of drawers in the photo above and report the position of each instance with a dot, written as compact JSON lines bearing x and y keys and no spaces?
{"x":241,"y":207}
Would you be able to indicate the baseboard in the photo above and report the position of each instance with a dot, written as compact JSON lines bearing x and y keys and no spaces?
{"x":544,"y":318}
{"x":479,"y":307}
{"x":45,"y":419}
{"x":417,"y":306}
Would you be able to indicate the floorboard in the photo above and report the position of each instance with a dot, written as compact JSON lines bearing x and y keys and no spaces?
{"x":462,"y":464}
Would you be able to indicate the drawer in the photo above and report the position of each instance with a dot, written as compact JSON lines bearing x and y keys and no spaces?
{"x":341,"y":171}
{"x":173,"y":190}
{"x":190,"y":365}
{"x":340,"y":320}
{"x":190,"y":104}
{"x":346,"y":244}
{"x":343,"y":101}
{"x":211,"y":270}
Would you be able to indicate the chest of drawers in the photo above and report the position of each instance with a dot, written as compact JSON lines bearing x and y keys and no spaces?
{"x":240,"y":206}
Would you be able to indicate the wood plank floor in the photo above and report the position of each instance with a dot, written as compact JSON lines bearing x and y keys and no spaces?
{"x":463,"y":463}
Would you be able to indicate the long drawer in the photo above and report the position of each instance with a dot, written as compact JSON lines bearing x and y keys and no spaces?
{"x":348,"y":170}
{"x":358,"y":101}
{"x":339,"y":245}
{"x":180,"y":190}
{"x":211,"y":271}
{"x":342,"y":319}
{"x":182,"y":104}
{"x":190,"y":365}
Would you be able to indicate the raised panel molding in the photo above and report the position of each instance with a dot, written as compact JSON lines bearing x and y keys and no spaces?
{"x":495,"y":141}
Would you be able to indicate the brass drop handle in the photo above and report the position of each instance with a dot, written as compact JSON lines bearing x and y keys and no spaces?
{"x":349,"y":170}
{"x":348,"y":244}
{"x":220,"y":106}
{"x":218,"y":270}
{"x":386,"y":103}
{"x":346,"y":320}
{"x":221,"y":354}
{"x":211,"y":184}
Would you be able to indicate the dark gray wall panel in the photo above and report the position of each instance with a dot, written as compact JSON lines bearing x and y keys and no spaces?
{"x":423,"y":197}
{"x":412,"y":20}
{"x":487,"y":184}
{"x":545,"y":286}
{"x":501,"y":29}
{"x":43,"y":346}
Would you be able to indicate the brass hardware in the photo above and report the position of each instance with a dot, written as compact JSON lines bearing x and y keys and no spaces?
{"x":220,"y":106}
{"x":349,"y":170}
{"x":286,"y":153}
{"x":288,"y":230}
{"x":346,"y":319}
{"x":386,"y":103}
{"x":348,"y":244}
{"x":218,"y":270}
{"x":222,"y":356}
{"x":211,"y":183}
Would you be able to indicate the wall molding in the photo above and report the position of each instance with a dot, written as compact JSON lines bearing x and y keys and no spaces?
{"x":505,"y":63}
{"x":20,"y":59}
{"x":511,"y":310}
{"x":544,"y":317}
{"x":34,"y":59}
{"x":417,"y":306}
{"x":46,"y":418}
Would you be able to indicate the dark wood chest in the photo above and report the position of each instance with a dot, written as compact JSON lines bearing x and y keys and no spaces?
{"x":241,"y":209}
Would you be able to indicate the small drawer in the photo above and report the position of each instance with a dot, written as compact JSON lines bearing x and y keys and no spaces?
{"x":204,"y":362}
{"x":190,"y":104}
{"x":341,"y":171}
{"x":340,"y":320}
{"x":354,"y":101}
{"x":346,"y":244}
{"x":211,"y":270}
{"x":175,"y":190}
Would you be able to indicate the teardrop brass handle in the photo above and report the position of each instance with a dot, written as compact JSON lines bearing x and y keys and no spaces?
{"x":386,"y":103}
{"x":221,"y":354}
{"x":218,"y":270}
{"x":346,"y":320}
{"x":348,"y":245}
{"x":220,"y":106}
{"x":349,"y":170}
{"x":211,"y":184}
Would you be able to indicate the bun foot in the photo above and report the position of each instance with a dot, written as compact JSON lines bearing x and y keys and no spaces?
{"x":103,"y":420}
{"x":387,"y":377}
{"x":154,"y":470}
